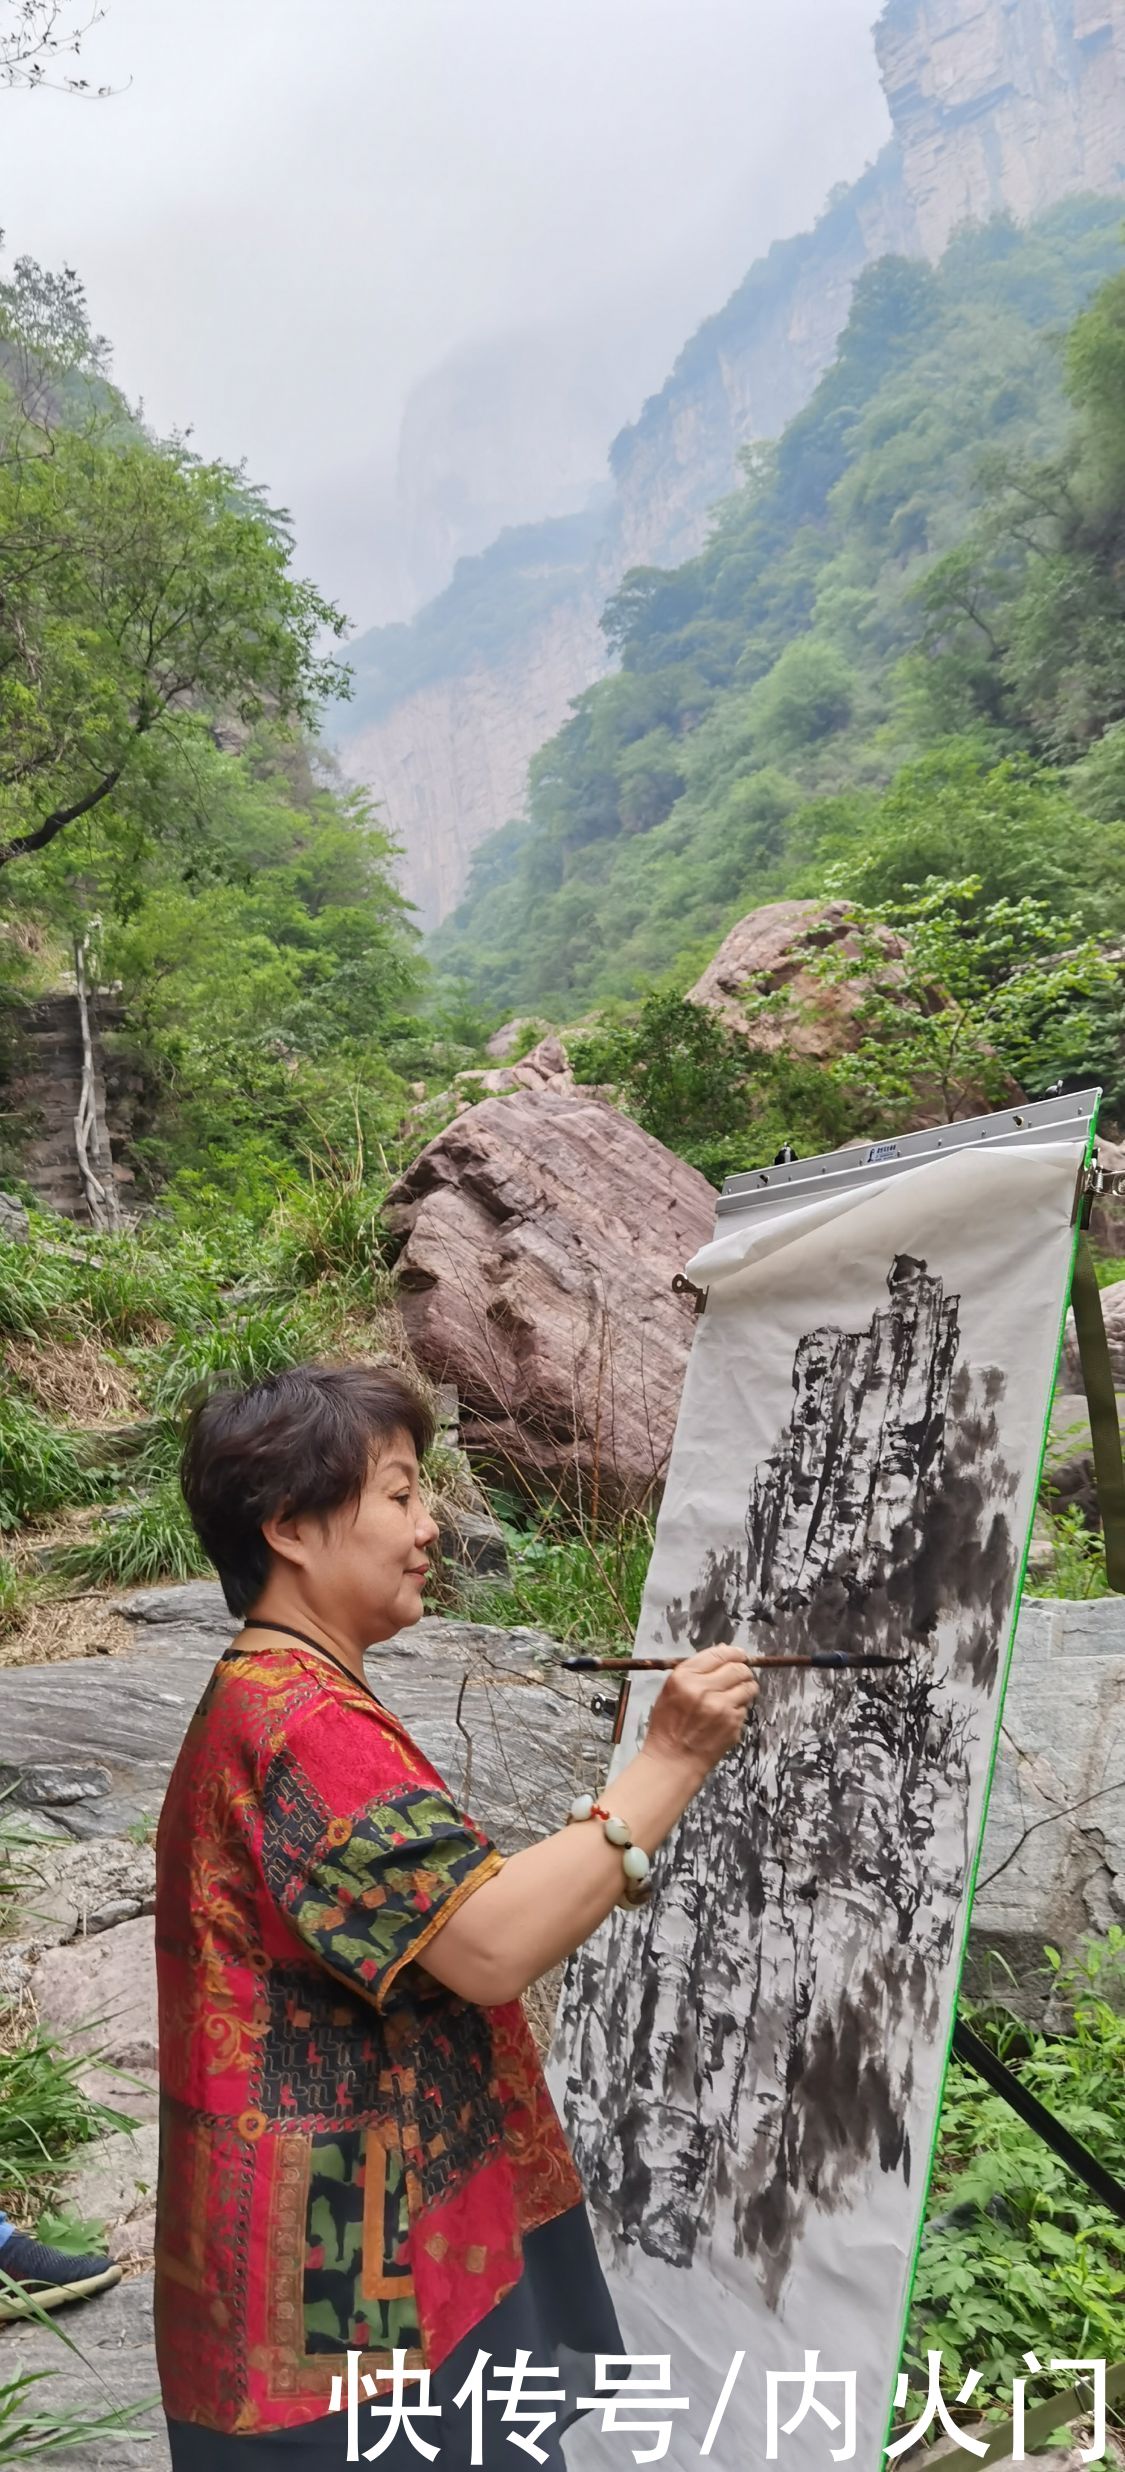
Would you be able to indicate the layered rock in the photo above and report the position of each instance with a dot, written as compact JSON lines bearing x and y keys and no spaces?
{"x":770,"y":959}
{"x":997,"y":107}
{"x":993,"y":106}
{"x":542,"y":1233}
{"x":768,"y":981}
{"x":448,"y":761}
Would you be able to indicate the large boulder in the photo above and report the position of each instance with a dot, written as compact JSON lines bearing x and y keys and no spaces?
{"x":773,"y":953}
{"x":765,"y":982}
{"x":545,"y":1067}
{"x":542,"y":1233}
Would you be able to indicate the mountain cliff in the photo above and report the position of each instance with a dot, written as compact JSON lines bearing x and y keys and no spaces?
{"x":995,"y":105}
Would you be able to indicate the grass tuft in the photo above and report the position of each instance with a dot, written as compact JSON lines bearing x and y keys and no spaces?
{"x":149,"y":1538}
{"x":42,"y":1468}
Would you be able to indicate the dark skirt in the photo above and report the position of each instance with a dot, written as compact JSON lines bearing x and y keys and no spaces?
{"x":560,"y":2312}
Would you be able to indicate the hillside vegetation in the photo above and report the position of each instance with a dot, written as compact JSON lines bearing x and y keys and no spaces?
{"x":163,"y":799}
{"x":900,"y":654}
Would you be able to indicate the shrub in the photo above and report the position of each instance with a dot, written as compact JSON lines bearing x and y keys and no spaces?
{"x":1032,"y":2262}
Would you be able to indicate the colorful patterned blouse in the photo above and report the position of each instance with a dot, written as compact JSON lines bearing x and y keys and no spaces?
{"x":350,"y":2155}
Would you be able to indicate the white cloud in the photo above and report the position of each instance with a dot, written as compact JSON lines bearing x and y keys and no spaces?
{"x":295,"y":212}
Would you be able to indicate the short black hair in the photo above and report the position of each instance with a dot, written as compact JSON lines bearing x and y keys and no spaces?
{"x":295,"y":1444}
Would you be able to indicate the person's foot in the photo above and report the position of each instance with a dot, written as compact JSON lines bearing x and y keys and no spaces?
{"x":48,"y":2277}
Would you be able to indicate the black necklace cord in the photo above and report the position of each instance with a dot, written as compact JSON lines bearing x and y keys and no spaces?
{"x":250,"y":1622}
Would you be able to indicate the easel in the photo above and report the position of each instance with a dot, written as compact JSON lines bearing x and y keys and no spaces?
{"x":1062,"y":1118}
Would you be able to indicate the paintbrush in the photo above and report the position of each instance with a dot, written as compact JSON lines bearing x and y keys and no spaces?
{"x":835,"y":1663}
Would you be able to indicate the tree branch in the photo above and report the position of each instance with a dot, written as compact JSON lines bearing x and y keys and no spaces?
{"x":53,"y":825}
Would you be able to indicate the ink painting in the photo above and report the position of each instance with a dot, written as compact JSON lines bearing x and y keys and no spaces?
{"x":750,"y":2069}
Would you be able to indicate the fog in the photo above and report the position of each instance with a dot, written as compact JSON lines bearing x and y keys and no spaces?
{"x":417,"y":260}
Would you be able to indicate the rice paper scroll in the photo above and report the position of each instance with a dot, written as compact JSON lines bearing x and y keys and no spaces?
{"x":751,"y":2068}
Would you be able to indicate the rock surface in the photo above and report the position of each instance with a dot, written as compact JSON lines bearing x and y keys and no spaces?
{"x":994,"y":104}
{"x":70,"y":1891}
{"x":100,"y":1995}
{"x":1053,"y":1862}
{"x":773,"y":953}
{"x":13,"y":1220}
{"x":542,"y":1235}
{"x":545,"y":1067}
{"x":509,"y":1034}
{"x":132,"y":1712}
{"x":112,"y":2367}
{"x":765,"y":981}
{"x":115,"y":2185}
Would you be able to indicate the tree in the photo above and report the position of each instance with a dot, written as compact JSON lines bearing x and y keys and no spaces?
{"x":960,"y":997}
{"x":1012,"y":826}
{"x":36,"y":35}
{"x":703,"y":1090}
{"x":138,"y":586}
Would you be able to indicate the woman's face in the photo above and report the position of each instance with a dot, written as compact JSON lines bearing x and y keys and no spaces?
{"x":364,"y":1570}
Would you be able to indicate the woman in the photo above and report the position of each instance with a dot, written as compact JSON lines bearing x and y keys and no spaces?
{"x":359,"y":2155}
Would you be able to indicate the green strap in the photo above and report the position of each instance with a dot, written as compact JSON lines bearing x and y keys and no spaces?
{"x":1105,"y":1431}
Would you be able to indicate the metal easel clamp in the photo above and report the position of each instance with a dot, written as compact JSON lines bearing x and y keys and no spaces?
{"x":685,"y":1287}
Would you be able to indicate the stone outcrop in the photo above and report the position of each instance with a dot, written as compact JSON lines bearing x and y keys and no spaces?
{"x":766,"y":981}
{"x":541,"y":1235}
{"x":448,"y":762}
{"x":545,"y":1067}
{"x":13,"y":1220}
{"x":45,"y":1093}
{"x":771,"y":958}
{"x":993,"y":106}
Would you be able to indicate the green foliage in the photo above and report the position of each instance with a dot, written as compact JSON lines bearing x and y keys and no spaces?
{"x":880,"y":587}
{"x":1077,"y":1566}
{"x":41,"y":1468}
{"x":1013,"y":826}
{"x":181,"y":1308}
{"x":576,"y":1580}
{"x":34,"y":1287}
{"x":140,"y":585}
{"x":148,"y":1538}
{"x":242,"y":1344}
{"x":1033,"y":2263}
{"x":45,"y":2116}
{"x":958,"y":995}
{"x":696,"y":1085}
{"x":28,"y":2434}
{"x":13,"y":1593}
{"x":161,"y":670}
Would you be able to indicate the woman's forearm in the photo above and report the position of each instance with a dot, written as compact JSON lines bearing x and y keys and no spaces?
{"x":547,"y":1900}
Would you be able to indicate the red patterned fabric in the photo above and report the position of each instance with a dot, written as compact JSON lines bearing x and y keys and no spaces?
{"x":350,"y":2155}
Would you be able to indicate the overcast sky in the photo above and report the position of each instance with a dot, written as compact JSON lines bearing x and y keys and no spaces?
{"x":300,"y":210}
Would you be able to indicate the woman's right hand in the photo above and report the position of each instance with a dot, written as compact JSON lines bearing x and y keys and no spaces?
{"x":702,"y":1709}
{"x":546,"y":1901}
